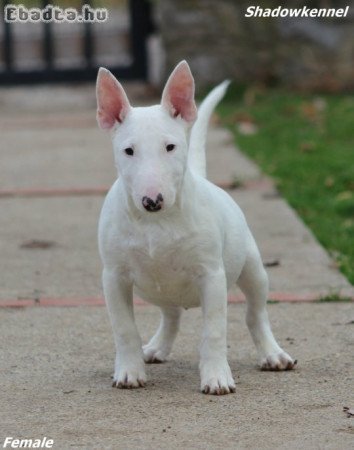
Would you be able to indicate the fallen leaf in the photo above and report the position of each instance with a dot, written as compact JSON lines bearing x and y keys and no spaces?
{"x":345,"y":195}
{"x":271,"y":195}
{"x":247,"y":128}
{"x":307,"y":147}
{"x":329,"y":181}
{"x":243,"y":116}
{"x":309,"y":111}
{"x":271,"y":263}
{"x":251,"y":94}
{"x":320,"y":104}
{"x":236,"y":183}
{"x":334,"y":265}
{"x":36,"y":243}
{"x":215,"y":119}
{"x":348,"y":223}
{"x":313,"y":111}
{"x":289,"y":110}
{"x":348,"y":411}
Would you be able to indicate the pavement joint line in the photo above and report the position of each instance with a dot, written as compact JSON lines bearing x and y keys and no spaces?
{"x":53,"y":192}
{"x":63,"y":302}
{"x":51,"y":122}
{"x":102,"y":190}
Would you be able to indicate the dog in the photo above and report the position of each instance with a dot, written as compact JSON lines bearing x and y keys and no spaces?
{"x":174,"y":237}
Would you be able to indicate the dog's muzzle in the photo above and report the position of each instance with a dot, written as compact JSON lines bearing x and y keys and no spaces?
{"x":151,"y":205}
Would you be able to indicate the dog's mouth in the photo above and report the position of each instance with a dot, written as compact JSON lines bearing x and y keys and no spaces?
{"x":153,"y":208}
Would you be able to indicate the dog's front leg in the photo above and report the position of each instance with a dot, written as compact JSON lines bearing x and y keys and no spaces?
{"x":129,"y":371}
{"x":216,"y":377}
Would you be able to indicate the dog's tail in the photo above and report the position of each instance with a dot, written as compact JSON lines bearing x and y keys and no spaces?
{"x":196,"y":157}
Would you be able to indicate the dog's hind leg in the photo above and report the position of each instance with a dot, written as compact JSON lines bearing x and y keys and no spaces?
{"x":254,"y":284}
{"x":160,"y":345}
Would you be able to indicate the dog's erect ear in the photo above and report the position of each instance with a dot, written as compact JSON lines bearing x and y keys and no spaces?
{"x":112,"y":102}
{"x":178,"y":95}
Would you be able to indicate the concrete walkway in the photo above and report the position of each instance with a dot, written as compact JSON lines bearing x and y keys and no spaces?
{"x":56,"y":366}
{"x":56,"y":362}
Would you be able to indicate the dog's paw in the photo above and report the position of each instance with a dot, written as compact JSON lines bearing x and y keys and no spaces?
{"x":129,"y":377}
{"x":278,"y":361}
{"x":216,"y":379}
{"x":154,"y":354}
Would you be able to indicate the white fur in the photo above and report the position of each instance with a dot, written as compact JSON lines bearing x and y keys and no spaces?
{"x":187,"y":254}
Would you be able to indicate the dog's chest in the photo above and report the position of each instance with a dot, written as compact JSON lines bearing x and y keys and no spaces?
{"x":165,"y":265}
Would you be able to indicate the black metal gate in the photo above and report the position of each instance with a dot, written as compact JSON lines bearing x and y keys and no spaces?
{"x":140,"y":27}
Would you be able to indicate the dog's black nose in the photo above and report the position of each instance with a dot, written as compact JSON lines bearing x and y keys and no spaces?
{"x":152,"y":205}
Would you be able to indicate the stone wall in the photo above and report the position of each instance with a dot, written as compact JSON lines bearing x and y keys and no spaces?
{"x":220,"y":42}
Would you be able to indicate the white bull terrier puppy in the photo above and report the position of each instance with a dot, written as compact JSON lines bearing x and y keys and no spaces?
{"x":177,"y":239}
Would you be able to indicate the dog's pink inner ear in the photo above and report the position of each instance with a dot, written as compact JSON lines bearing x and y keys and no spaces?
{"x":112,"y":102}
{"x":178,"y":95}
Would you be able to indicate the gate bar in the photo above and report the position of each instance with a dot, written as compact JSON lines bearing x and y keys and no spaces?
{"x":88,"y":39}
{"x":8,"y":39}
{"x":48,"y":54}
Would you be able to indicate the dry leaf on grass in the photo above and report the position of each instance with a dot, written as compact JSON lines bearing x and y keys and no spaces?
{"x":247,"y":128}
{"x":307,"y":147}
{"x":345,"y":195}
{"x":329,"y":181}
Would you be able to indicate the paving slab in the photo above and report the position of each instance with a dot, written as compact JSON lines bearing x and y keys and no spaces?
{"x":56,"y":366}
{"x":73,"y":155}
{"x":69,"y":267}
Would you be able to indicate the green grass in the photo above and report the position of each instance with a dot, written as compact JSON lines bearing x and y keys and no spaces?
{"x":306,"y":143}
{"x":333,"y":298}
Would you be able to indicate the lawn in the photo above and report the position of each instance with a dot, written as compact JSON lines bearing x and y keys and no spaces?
{"x":306,"y":143}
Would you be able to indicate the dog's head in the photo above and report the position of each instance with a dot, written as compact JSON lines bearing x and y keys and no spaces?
{"x":150,"y":143}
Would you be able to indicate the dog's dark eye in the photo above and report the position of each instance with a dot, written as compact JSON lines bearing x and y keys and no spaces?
{"x":129,"y":151}
{"x":170,"y":147}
